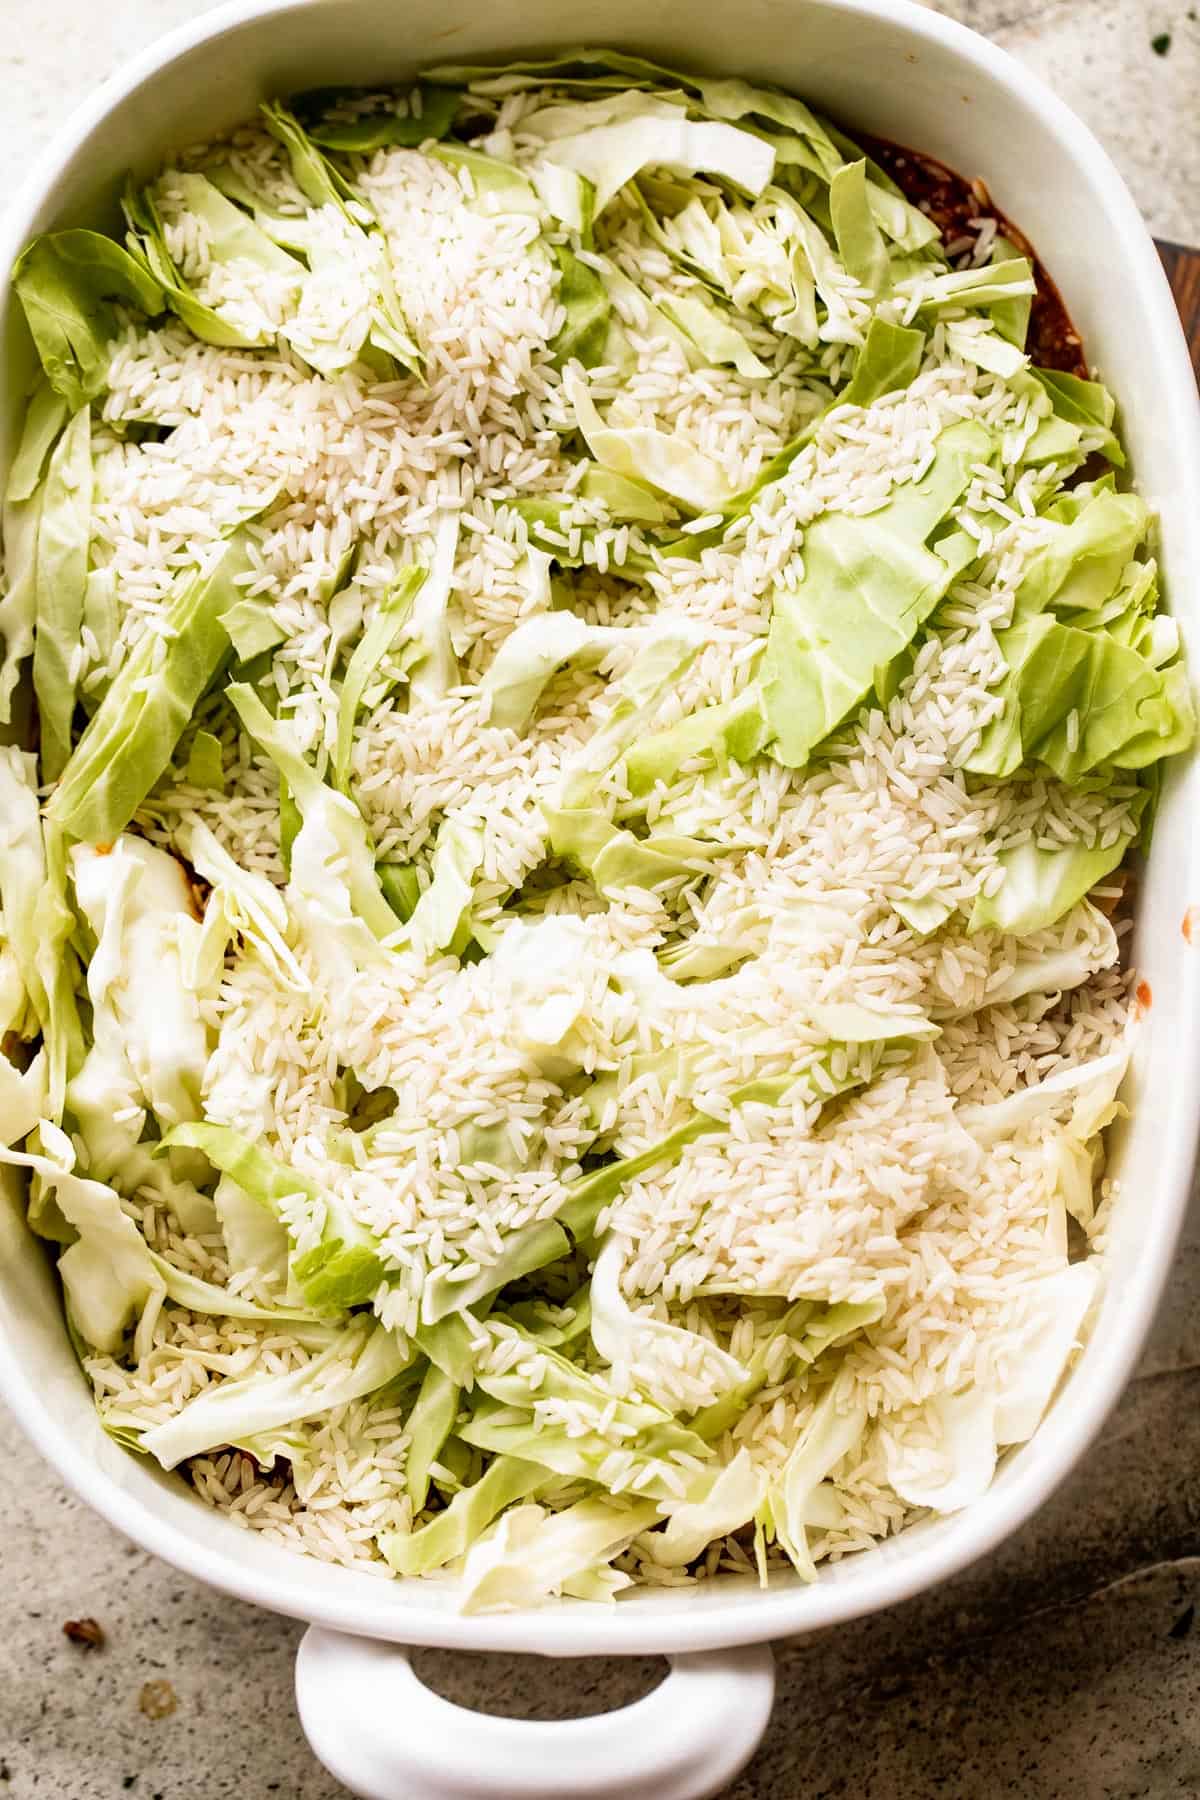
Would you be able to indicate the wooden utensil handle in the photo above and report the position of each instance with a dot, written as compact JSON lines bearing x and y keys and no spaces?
{"x":1183,"y":271}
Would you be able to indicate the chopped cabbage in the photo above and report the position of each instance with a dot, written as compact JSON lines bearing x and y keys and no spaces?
{"x":556,"y":915}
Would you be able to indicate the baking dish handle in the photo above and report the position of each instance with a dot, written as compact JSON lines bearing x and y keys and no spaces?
{"x":386,"y":1736}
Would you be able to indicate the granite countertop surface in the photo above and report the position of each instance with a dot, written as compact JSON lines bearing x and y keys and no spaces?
{"x":1066,"y":1665}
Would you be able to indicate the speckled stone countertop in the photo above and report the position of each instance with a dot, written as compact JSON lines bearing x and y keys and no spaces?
{"x":1065,"y":1668}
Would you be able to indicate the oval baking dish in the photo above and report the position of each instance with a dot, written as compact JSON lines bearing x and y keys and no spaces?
{"x":893,"y":71}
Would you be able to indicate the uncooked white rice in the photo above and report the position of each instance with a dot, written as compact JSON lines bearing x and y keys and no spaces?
{"x":859,"y":1186}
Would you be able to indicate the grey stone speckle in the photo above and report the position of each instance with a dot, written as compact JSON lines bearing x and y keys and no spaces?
{"x":1065,"y":1667}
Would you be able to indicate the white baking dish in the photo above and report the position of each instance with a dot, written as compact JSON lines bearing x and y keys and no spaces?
{"x":890,"y":68}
